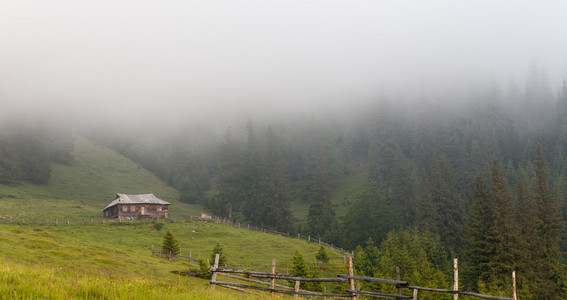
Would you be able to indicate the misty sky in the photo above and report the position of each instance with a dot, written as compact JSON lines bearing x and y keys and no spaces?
{"x":198,"y":57}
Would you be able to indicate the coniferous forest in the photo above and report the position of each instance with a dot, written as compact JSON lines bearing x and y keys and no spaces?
{"x":412,"y":184}
{"x":479,"y":176}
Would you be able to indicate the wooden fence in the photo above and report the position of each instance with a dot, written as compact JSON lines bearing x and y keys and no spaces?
{"x":352,"y":292}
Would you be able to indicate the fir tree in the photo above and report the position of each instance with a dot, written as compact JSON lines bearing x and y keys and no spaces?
{"x":274,"y":186}
{"x":250,"y":185}
{"x":322,"y":255}
{"x":170,"y":244}
{"x":321,"y":213}
{"x":480,"y":242}
{"x":230,"y":178}
{"x":550,"y":226}
{"x":222,"y":258}
{"x":442,"y":210}
{"x":505,"y":229}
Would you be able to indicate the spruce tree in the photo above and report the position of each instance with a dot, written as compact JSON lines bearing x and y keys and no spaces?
{"x":480,"y":241}
{"x":229,"y":182}
{"x":442,"y":210}
{"x":321,"y":213}
{"x":170,"y":244}
{"x":322,"y":255}
{"x":549,"y":229}
{"x":505,"y":228}
{"x":251,"y":178}
{"x":528,"y":239}
{"x":274,"y":186}
{"x":222,"y":258}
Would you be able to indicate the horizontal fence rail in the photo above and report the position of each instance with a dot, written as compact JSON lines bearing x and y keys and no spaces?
{"x":341,"y":278}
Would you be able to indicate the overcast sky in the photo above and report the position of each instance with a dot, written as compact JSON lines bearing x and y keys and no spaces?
{"x":196,"y":57}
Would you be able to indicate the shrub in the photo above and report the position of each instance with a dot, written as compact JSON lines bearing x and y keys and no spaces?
{"x":203,"y":269}
{"x":157,"y":226}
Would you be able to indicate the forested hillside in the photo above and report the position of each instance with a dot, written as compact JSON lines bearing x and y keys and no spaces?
{"x":420,"y":162}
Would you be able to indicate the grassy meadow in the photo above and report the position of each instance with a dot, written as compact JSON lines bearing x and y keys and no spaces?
{"x":114,"y":260}
{"x":42,"y":260}
{"x":83,"y":188}
{"x":41,"y":264}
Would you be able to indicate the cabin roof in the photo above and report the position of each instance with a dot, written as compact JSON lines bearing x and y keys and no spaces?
{"x":136,"y":199}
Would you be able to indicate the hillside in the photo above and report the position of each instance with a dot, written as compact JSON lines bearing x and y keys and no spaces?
{"x":114,"y":261}
{"x":84,"y":187}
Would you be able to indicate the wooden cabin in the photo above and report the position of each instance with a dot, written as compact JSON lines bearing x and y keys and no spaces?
{"x":133,"y":207}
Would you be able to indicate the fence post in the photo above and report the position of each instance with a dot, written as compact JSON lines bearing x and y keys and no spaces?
{"x":153,"y":249}
{"x":399,"y":278}
{"x":273,"y":286}
{"x":357,"y":290}
{"x":415,"y":294}
{"x":514,"y":294}
{"x":309,"y":238}
{"x":68,"y":221}
{"x":214,"y":278}
{"x":456,"y":278}
{"x":296,"y":289}
{"x":350,"y":280}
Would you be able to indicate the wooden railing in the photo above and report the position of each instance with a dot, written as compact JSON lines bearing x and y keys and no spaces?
{"x":350,"y":293}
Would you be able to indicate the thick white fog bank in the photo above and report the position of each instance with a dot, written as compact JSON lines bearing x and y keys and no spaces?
{"x":211,"y":59}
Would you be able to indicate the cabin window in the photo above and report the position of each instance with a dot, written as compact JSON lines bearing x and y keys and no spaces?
{"x":159,"y":208}
{"x":124,"y":208}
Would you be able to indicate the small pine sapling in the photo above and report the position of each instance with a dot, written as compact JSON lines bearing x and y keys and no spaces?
{"x":322,"y":255}
{"x":222,"y":258}
{"x":170,"y":244}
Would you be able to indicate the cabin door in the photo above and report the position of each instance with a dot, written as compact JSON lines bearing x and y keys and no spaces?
{"x":142,"y":210}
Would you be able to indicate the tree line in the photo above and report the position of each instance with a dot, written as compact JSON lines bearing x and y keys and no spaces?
{"x":27,"y":151}
{"x":425,"y":166}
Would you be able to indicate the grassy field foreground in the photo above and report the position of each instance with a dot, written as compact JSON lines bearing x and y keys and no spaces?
{"x":115,"y":262}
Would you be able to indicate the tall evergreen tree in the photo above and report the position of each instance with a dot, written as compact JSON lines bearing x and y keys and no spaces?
{"x":528,"y":238}
{"x":370,"y":215}
{"x":321,"y":213}
{"x":251,"y":176}
{"x":549,"y":229}
{"x":274,"y":186}
{"x":480,"y":241}
{"x":442,"y":210}
{"x":505,"y":228}
{"x":230,"y":194}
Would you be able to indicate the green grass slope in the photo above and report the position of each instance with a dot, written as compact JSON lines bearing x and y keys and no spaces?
{"x":114,"y":261}
{"x":39,"y":264}
{"x":85,"y":187}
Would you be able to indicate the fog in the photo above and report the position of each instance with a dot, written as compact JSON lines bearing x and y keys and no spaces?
{"x":98,"y":61}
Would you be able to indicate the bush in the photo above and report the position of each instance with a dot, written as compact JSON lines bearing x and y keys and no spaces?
{"x":204,"y":269}
{"x":157,"y":226}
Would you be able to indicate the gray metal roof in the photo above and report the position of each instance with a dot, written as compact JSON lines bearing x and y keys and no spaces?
{"x":136,"y":199}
